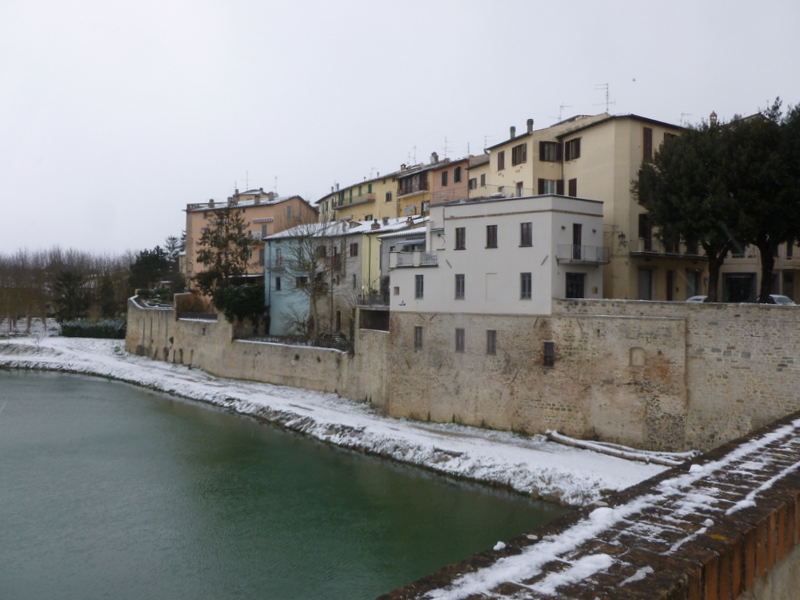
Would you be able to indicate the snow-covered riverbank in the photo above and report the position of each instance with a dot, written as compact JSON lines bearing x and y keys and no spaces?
{"x":529,"y":465}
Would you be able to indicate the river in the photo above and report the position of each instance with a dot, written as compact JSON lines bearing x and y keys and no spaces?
{"x":109,"y":491}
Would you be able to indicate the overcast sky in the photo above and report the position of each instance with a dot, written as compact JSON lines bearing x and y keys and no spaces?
{"x":115,"y":114}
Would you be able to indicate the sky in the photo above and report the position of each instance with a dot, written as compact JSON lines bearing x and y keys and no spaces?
{"x":116,"y":115}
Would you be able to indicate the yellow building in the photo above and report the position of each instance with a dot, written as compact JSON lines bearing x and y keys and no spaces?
{"x":597,"y":157}
{"x":370,"y":200}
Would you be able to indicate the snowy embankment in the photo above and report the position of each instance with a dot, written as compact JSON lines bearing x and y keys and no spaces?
{"x":529,"y":465}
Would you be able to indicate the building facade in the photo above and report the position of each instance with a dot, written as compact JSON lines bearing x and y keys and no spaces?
{"x":265,"y":214}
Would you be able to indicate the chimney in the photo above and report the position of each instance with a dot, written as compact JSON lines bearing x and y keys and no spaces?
{"x":530,"y":125}
{"x":513,"y":132}
{"x":385,"y":220}
{"x":211,"y":203}
{"x":257,"y":199}
{"x":712,"y":119}
{"x":434,"y":158}
{"x":375,"y":225}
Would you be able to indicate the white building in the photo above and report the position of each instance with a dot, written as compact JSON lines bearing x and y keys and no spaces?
{"x":502,"y":256}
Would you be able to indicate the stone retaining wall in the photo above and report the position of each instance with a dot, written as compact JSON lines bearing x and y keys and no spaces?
{"x":210,"y":345}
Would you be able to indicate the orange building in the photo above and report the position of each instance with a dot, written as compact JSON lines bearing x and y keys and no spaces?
{"x":265,"y":214}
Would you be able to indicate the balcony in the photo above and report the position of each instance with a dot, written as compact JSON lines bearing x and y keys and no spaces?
{"x":373,"y":299}
{"x":398,"y":260}
{"x":654,"y":247}
{"x":586,"y":255}
{"x":347,"y":203}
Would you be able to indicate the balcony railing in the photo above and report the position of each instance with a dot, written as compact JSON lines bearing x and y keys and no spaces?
{"x":373,"y":299}
{"x":654,"y":246}
{"x":412,"y":259}
{"x":569,"y":253}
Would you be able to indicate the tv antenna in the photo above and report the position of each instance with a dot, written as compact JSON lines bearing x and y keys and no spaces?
{"x":684,"y":115}
{"x":561,"y":108}
{"x":604,"y":86}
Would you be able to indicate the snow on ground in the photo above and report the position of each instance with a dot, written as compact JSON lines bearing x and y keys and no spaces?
{"x":527,"y":464}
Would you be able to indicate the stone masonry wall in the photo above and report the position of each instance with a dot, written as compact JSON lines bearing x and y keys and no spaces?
{"x":742,"y":362}
{"x":210,"y":345}
{"x":620,"y":379}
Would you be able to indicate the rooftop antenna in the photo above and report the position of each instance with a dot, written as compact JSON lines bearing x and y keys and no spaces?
{"x":445,"y":146}
{"x":604,"y":86}
{"x":684,"y":115}
{"x":247,"y":180}
{"x":561,"y":108}
{"x":275,"y":187}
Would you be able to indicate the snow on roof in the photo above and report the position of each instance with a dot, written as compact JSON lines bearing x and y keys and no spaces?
{"x":340,"y":228}
{"x":404,"y":233}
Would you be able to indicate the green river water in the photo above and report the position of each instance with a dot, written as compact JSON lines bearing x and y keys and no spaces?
{"x":108,"y":491}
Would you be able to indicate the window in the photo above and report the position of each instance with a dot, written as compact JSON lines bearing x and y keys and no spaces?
{"x":519,"y":154}
{"x":354,"y":247}
{"x":573,"y":188}
{"x":526,"y":234}
{"x":483,"y":180}
{"x":572,"y":149}
{"x":419,"y":286}
{"x":457,"y":175}
{"x":491,"y":342}
{"x":668,"y":137}
{"x":501,"y":160}
{"x":359,"y":190}
{"x":417,"y":338}
{"x":368,"y":217}
{"x":369,"y":188}
{"x":645,"y":233}
{"x":550,"y":151}
{"x":549,"y":356}
{"x":461,"y":238}
{"x":289,"y":212}
{"x":261,"y":257}
{"x":459,"y":339}
{"x":354,"y":281}
{"x":396,"y":290}
{"x":301,"y":282}
{"x":491,"y":236}
{"x":264,"y":230}
{"x":277,"y":284}
{"x":444,"y":178}
{"x":647,"y":144}
{"x":551,"y":186}
{"x":789,"y":249}
{"x":460,"y":285}
{"x":519,"y":189}
{"x":575,"y":283}
{"x":413,"y":183}
{"x":525,"y":289}
{"x":472,"y":183}
{"x":351,"y":195}
{"x":322,"y":251}
{"x":388,"y":196}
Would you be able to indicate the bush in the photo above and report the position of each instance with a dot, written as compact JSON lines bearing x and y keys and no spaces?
{"x":112,"y":329}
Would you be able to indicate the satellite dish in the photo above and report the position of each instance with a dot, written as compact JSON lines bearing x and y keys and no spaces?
{"x":408,"y":210}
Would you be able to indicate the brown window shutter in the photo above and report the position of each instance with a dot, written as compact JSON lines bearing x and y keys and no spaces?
{"x":560,"y":151}
{"x":560,"y":187}
{"x":541,"y":151}
{"x":541,"y":187}
{"x":573,"y":188}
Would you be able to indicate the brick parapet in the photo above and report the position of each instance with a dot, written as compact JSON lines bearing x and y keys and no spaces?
{"x":713,"y":529}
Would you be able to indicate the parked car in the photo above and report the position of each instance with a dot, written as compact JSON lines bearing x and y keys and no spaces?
{"x":777,"y":298}
{"x":782,"y":300}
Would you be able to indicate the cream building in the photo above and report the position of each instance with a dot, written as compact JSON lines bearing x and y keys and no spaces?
{"x":599,"y":157}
